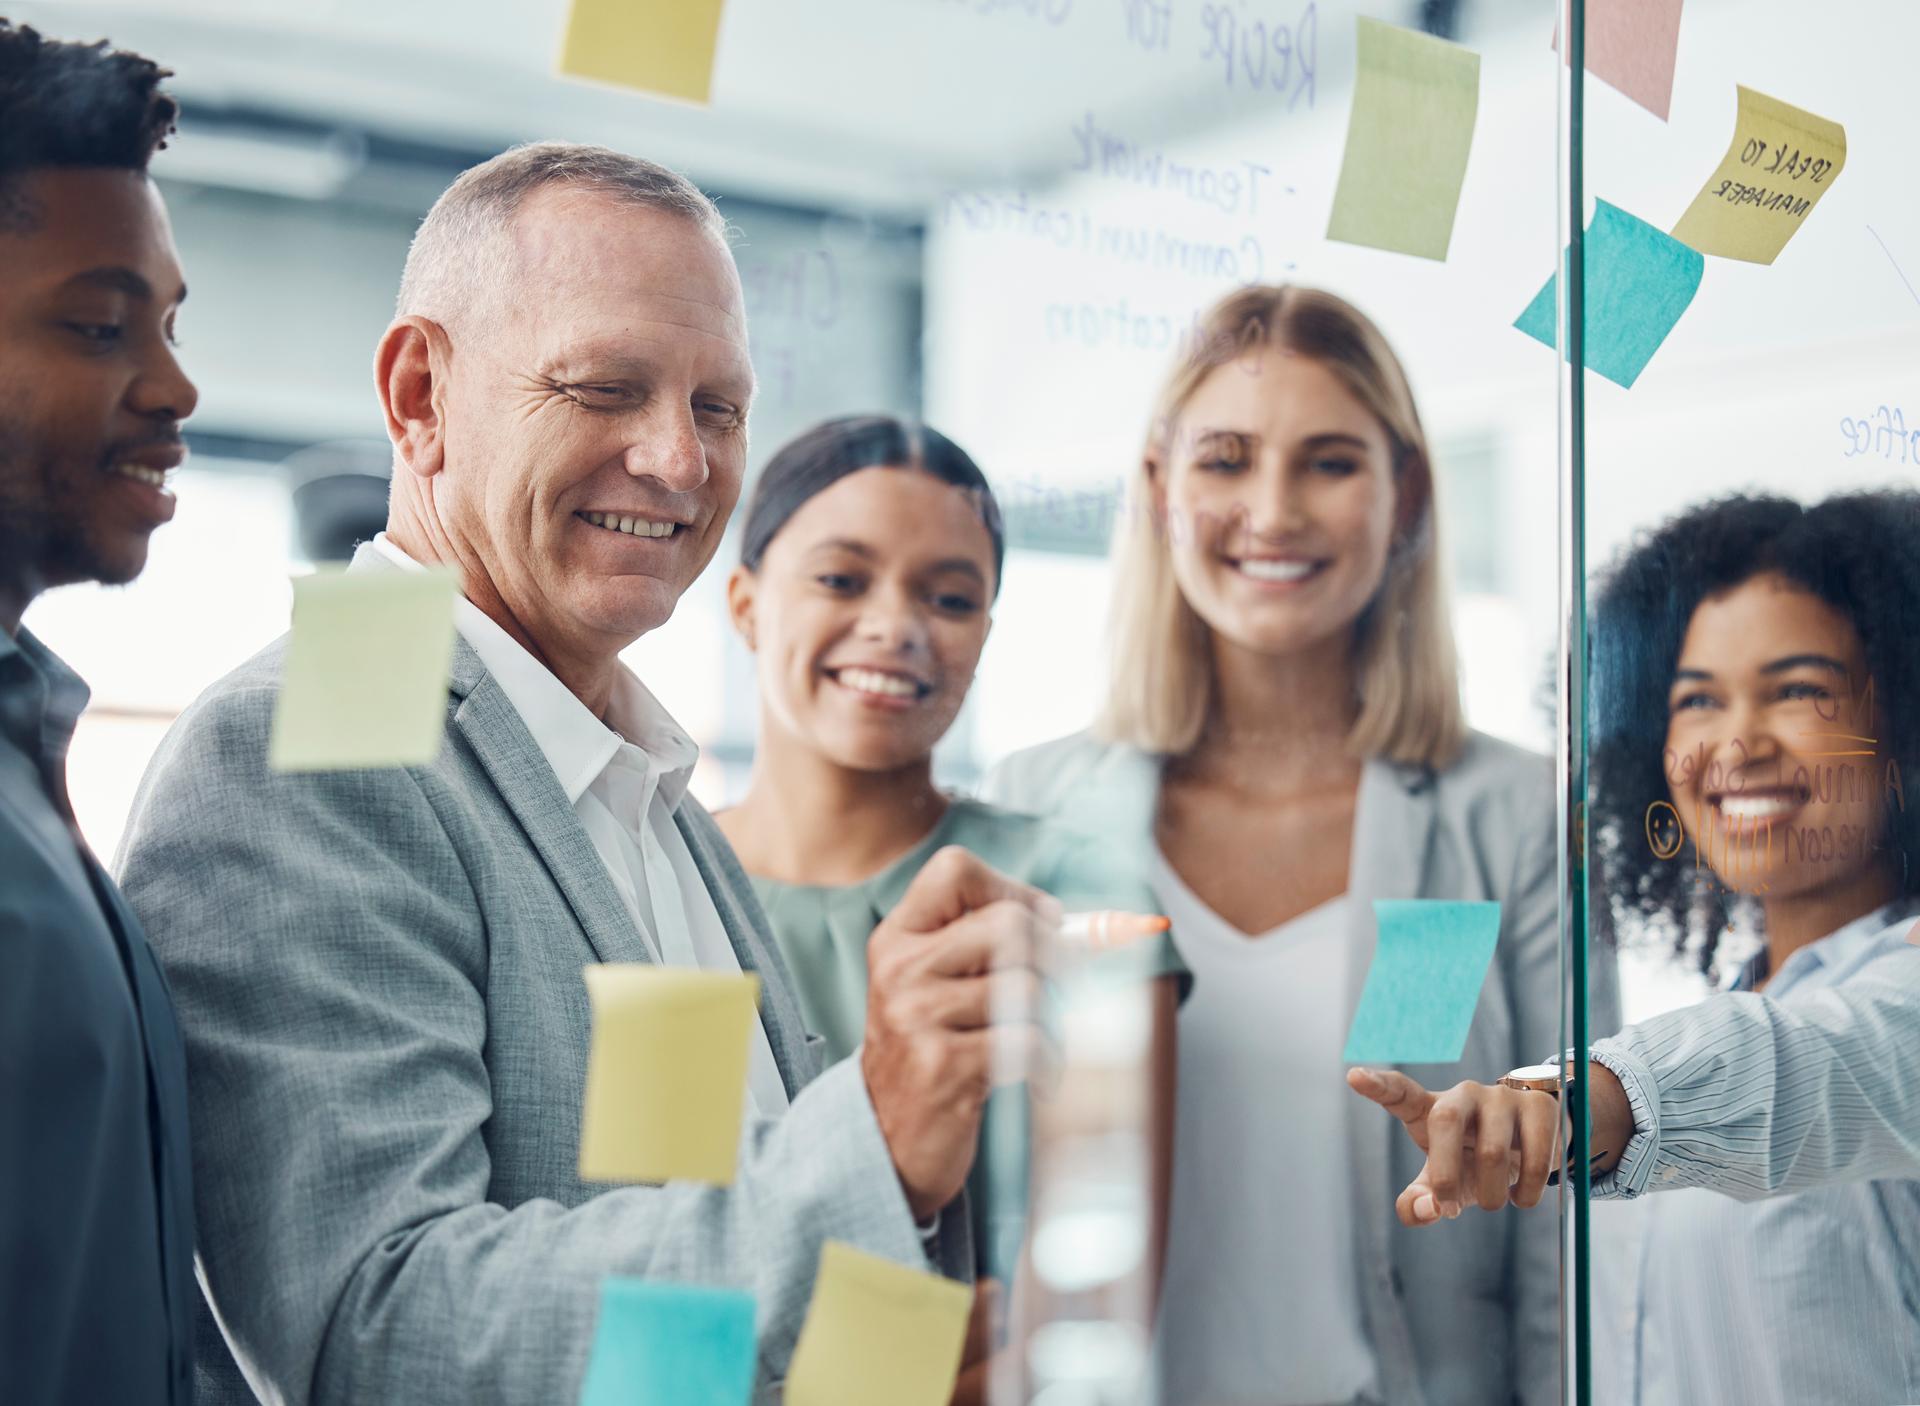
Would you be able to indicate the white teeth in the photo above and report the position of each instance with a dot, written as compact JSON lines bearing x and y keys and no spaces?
{"x":632,"y":526}
{"x":1756,"y":807}
{"x":140,"y":473}
{"x":871,"y":681}
{"x":1276,"y":570}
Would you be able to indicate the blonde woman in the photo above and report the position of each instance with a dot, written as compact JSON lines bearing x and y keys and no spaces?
{"x":1283,"y":741}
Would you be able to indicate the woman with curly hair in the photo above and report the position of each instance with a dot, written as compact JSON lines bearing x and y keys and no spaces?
{"x":1756,"y":715}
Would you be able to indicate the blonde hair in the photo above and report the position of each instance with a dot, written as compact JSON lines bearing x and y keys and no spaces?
{"x":1161,"y":694}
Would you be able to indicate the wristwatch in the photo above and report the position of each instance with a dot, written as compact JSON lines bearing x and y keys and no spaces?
{"x":1546,"y":1079}
{"x":1540,"y":1078}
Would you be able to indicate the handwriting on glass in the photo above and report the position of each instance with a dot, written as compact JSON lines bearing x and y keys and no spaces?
{"x":1266,"y":56}
{"x":1883,"y":434}
{"x":1052,"y":11}
{"x":1074,"y":229}
{"x":1233,"y":189}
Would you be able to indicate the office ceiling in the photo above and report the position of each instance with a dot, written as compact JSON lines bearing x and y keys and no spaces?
{"x":876,"y":105}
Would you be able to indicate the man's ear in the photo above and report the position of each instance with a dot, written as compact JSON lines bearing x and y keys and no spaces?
{"x":410,"y":371}
{"x":741,"y":586}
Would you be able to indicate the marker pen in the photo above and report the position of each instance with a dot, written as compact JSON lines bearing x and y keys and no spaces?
{"x":1107,"y":929}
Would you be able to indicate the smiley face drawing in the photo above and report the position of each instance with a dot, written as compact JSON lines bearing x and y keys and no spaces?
{"x":1664,"y":832}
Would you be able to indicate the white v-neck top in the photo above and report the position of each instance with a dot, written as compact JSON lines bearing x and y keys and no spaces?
{"x":624,"y":777}
{"x":1262,"y":1300}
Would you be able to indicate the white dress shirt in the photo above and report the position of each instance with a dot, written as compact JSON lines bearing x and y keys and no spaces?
{"x":625,"y":777}
{"x":1262,"y":1302}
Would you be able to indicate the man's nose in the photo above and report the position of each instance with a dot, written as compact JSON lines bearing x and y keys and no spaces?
{"x":162,"y":390}
{"x":670,"y":450}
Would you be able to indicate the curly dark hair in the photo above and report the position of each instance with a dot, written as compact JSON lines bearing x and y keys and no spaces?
{"x":65,"y":104}
{"x":1858,"y":552}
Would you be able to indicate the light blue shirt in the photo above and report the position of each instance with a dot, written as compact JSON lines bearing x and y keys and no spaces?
{"x":1813,"y":1297}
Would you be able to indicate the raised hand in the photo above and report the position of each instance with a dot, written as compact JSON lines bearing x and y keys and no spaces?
{"x":1483,"y":1141}
{"x":953,"y":998}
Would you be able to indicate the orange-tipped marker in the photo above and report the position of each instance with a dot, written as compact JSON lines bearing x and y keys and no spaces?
{"x":1109,"y":929}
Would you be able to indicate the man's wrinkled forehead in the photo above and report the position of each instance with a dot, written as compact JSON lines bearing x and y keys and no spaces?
{"x":582,"y":255}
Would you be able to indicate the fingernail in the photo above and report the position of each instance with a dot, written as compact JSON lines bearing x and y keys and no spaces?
{"x":1424,"y":1208}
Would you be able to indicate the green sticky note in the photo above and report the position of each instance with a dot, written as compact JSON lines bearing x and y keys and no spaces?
{"x":1414,"y":103}
{"x":659,"y":1344}
{"x":662,"y":47}
{"x":1428,"y":967}
{"x":365,"y":682}
{"x":1639,"y":282}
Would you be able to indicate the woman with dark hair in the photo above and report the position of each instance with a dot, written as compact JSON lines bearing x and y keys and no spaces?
{"x":1829,"y":834}
{"x":872,"y":554}
{"x":1756,"y":712}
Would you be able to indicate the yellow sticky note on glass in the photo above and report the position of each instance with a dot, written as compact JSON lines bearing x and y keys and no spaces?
{"x":1781,"y":162}
{"x":365,"y":679}
{"x":663,"y":47}
{"x":878,"y":1334}
{"x":666,"y":1073}
{"x":1414,"y":105}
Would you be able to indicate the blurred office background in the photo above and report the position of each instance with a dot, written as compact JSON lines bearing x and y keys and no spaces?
{"x":875,"y":157}
{"x":1001,"y":215}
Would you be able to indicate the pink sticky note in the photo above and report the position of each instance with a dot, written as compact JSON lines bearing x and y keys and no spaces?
{"x":1631,"y":46}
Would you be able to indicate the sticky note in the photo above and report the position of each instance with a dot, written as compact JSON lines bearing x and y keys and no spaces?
{"x":1632,"y":45}
{"x":1639,"y":282}
{"x":1780,"y":163}
{"x":666,"y":1073}
{"x":1428,"y":967}
{"x":1414,"y":105}
{"x":661,"y":1344}
{"x":662,"y":47}
{"x":365,"y":678}
{"x":878,"y":1334}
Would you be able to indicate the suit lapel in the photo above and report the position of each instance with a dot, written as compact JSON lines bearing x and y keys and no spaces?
{"x":740,"y":915}
{"x":520,"y":773}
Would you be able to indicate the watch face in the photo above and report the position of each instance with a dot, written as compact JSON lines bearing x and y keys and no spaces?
{"x":1532,"y":1073}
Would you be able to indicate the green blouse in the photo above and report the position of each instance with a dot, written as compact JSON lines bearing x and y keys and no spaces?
{"x":822,"y":932}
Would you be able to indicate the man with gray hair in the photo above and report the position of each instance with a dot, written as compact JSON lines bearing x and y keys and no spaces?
{"x":379,"y":972}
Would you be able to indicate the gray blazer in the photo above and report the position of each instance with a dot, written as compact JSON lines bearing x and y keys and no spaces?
{"x":378,"y":976}
{"x":1465,"y":1313}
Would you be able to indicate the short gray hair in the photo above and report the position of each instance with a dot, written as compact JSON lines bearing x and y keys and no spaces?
{"x":462,"y":250}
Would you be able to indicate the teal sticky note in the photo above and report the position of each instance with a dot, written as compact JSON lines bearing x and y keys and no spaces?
{"x":660,"y":1344}
{"x":1428,"y":967}
{"x":1639,"y":282}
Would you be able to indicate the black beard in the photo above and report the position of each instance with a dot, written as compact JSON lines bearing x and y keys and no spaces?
{"x":40,"y":547}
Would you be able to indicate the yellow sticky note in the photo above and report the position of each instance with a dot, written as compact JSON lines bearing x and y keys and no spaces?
{"x":878,"y":1334}
{"x":1415,"y":101}
{"x":663,"y":47}
{"x":666,"y":1073}
{"x":365,"y":679}
{"x":1781,"y":162}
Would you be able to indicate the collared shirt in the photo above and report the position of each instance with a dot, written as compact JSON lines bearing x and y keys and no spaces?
{"x":625,"y":778}
{"x":96,"y":1219}
{"x":41,"y":700}
{"x":1810,"y":1297}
